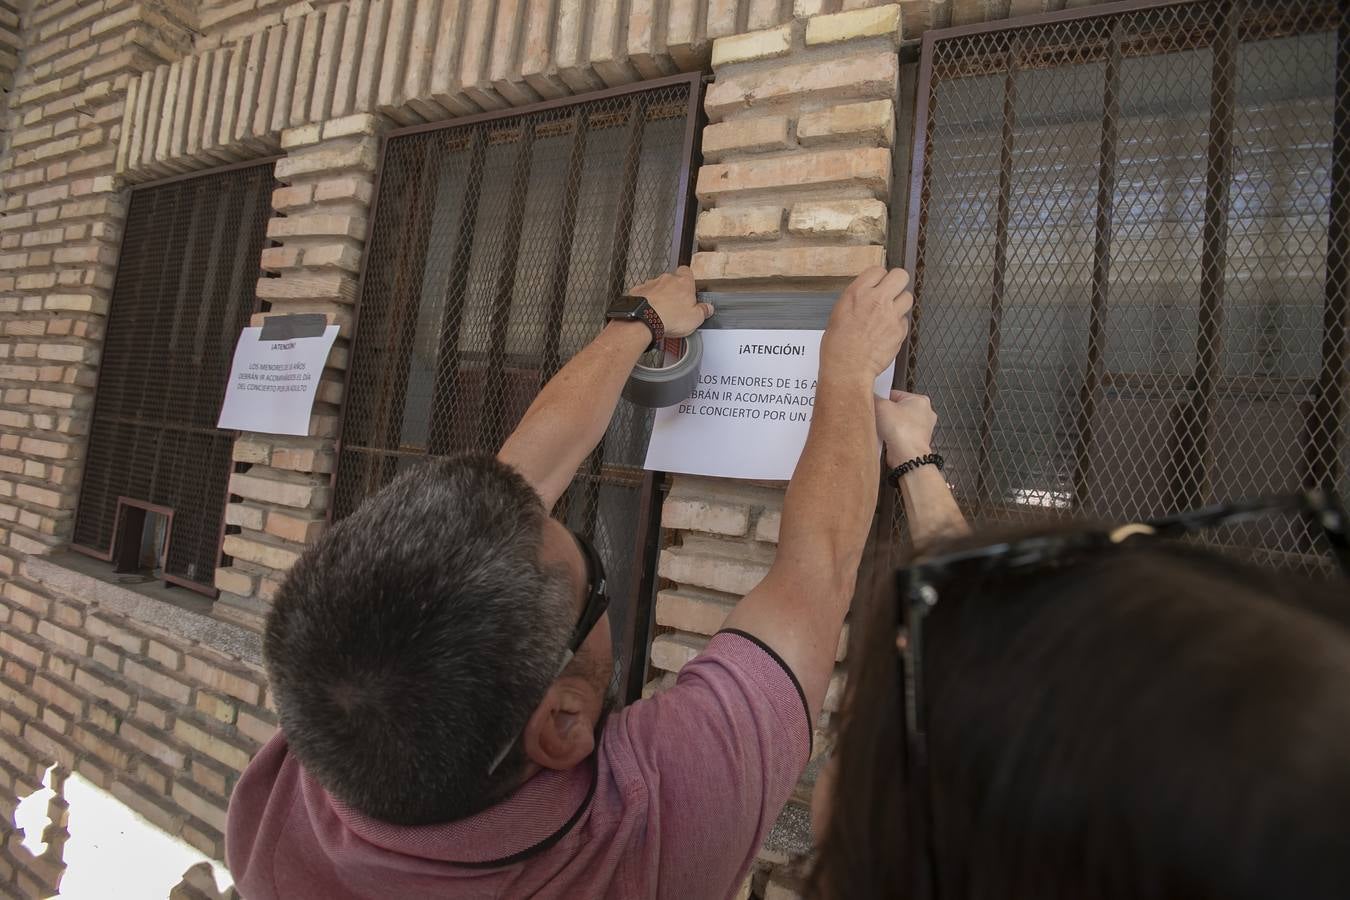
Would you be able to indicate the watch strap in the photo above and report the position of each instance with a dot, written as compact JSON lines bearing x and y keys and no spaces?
{"x":658,"y":328}
{"x":644,"y":314}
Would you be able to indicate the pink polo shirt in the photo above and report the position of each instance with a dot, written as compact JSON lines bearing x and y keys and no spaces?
{"x":674,"y":803}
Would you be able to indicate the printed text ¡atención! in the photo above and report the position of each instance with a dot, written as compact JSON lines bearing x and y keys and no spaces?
{"x":772,"y":350}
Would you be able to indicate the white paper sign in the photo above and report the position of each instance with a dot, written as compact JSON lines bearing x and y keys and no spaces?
{"x":749,"y":415}
{"x":273,"y":383}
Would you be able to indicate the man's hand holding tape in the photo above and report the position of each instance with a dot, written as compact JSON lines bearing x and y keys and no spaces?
{"x":572,"y":412}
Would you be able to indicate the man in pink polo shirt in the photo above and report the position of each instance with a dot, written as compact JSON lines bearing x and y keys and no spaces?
{"x":442,"y":665}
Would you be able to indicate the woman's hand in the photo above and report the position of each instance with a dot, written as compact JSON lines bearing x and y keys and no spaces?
{"x":905,"y":425}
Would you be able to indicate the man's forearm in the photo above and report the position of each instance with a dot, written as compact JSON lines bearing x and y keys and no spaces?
{"x":833,"y":493}
{"x":572,"y":412}
{"x":799,"y":607}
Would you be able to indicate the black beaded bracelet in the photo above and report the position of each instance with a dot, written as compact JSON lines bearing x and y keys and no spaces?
{"x":900,"y":471}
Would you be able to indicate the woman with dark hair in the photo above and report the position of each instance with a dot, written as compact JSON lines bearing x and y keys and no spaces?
{"x":1093,"y":714}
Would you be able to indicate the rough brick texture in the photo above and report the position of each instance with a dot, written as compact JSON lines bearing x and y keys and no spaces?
{"x":872,"y":122}
{"x":809,"y":130}
{"x":750,"y":135}
{"x":297,"y":63}
{"x":282,"y":500}
{"x":70,"y":102}
{"x":852,"y":25}
{"x":142,"y":710}
{"x":739,"y":223}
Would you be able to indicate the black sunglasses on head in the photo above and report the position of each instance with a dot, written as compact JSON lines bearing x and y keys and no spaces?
{"x":597,"y":602}
{"x":917,"y":593}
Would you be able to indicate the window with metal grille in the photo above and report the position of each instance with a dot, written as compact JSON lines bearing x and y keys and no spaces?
{"x":158,"y":469}
{"x":1129,"y":238}
{"x":497,"y":244}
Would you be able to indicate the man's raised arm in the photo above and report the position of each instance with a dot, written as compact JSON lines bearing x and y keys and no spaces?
{"x":570,"y":415}
{"x":799,"y":607}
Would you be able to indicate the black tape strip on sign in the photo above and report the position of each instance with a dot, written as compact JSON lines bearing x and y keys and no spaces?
{"x":295,"y":325}
{"x":656,"y":387}
{"x":781,"y":310}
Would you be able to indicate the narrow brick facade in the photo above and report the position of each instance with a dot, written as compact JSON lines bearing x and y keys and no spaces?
{"x":160,"y":701}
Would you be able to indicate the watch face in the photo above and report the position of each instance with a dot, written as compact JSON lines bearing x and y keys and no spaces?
{"x":627,"y":307}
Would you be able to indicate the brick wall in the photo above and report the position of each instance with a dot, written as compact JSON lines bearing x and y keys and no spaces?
{"x":279,"y":505}
{"x":162,"y":704}
{"x":10,"y":44}
{"x":58,"y":245}
{"x":159,"y":706}
{"x":155,"y":708}
{"x":793,"y":193}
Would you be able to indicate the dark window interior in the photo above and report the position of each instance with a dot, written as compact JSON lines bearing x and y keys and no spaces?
{"x":185,"y":287}
{"x":1131,"y":251}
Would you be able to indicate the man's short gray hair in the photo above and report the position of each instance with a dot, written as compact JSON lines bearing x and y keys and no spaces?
{"x":412,"y":642}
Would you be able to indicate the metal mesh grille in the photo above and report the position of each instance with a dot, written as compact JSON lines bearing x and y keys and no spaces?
{"x":495,"y":250}
{"x":185,"y":286}
{"x":1130,"y":250}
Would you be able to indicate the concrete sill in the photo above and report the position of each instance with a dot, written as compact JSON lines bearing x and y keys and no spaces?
{"x":173,"y":610}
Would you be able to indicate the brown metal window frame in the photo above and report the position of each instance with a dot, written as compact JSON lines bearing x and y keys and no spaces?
{"x":115,"y":552}
{"x":1191,"y":418}
{"x":652,"y":485}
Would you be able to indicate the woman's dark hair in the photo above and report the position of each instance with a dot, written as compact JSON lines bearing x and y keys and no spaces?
{"x":1151,"y":721}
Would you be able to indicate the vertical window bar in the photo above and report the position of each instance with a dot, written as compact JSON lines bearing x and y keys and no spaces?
{"x":183,"y":305}
{"x":218,"y":261}
{"x":1193,"y":455}
{"x":551,"y":360}
{"x":618,"y":270}
{"x":228,"y":266}
{"x":983,"y":487}
{"x":494,"y":431}
{"x":1101,"y":273}
{"x":650,"y":494}
{"x":117,"y":381}
{"x":921,"y":186}
{"x":163,"y":314}
{"x":176,"y":411}
{"x":393,"y":375}
{"x":1324,"y":430}
{"x":618,"y":266}
{"x":443,"y":392}
{"x":563,"y":249}
{"x":188,"y":305}
{"x":244,"y":273}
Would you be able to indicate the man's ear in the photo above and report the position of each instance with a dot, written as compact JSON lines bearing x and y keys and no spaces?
{"x":559,"y":735}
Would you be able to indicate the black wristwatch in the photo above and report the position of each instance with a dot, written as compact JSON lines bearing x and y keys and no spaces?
{"x":637,"y":309}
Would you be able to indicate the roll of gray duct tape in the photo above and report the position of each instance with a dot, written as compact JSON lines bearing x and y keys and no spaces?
{"x":657,"y":388}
